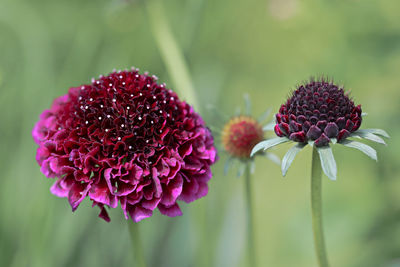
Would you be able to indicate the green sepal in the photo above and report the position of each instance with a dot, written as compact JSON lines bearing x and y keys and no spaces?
{"x":366,"y":149}
{"x":375,"y":131}
{"x":272,"y":157}
{"x":264,"y":116}
{"x":270,"y":126}
{"x":368,"y":136}
{"x":289,"y":157}
{"x":328,"y":162}
{"x":266,"y":144}
{"x":241,"y":170}
{"x":228,"y":164}
{"x":247,"y":103}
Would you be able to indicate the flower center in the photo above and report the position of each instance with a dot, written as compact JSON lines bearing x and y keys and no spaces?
{"x":240,"y":135}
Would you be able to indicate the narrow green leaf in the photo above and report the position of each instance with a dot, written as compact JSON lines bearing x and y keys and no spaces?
{"x":266,"y":144}
{"x":247,"y":104}
{"x":228,"y":164}
{"x":270,"y":126}
{"x":241,"y":170}
{"x":375,"y":131}
{"x":289,"y":157}
{"x":264,"y":116}
{"x":252,"y":167}
{"x":238,"y":111}
{"x":328,"y":162}
{"x":272,"y":157}
{"x":366,"y":149}
{"x":364,"y":114}
{"x":368,"y":136}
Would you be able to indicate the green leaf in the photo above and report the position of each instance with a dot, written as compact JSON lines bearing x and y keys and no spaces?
{"x":266,"y":144}
{"x":274,"y":158}
{"x":328,"y":162}
{"x":368,"y":136}
{"x":238,"y":111}
{"x":247,"y":104}
{"x":241,"y":170}
{"x":289,"y":157}
{"x":228,"y":164}
{"x":375,"y":131}
{"x":252,"y":167}
{"x":366,"y":149}
{"x":264,"y":116}
{"x":270,"y":126}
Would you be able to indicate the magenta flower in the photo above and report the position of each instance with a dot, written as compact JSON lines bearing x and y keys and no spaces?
{"x":125,"y":139}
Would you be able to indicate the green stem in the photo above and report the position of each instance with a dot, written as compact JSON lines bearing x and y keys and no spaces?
{"x":249,"y":208}
{"x":137,"y":244}
{"x":316,"y":209}
{"x":170,"y":52}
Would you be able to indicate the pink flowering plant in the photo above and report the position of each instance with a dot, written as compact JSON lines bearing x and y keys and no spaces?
{"x":238,"y":136}
{"x":320,"y":114}
{"x":125,"y":139}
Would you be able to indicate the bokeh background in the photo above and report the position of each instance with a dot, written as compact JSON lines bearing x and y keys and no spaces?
{"x":231,"y":47}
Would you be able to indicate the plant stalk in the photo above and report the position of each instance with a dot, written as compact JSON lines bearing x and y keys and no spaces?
{"x":251,"y":252}
{"x":170,"y":52}
{"x":316,"y":210}
{"x":138,"y":256}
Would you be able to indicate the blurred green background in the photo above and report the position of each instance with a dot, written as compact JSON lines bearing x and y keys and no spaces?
{"x":259,"y":47}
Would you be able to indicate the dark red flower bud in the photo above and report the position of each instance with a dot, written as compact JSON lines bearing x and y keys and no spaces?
{"x":318,"y":111}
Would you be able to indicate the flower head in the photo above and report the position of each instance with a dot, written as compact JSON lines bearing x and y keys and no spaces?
{"x":125,"y":139}
{"x":318,"y":111}
{"x":240,"y":135}
{"x":320,"y":114}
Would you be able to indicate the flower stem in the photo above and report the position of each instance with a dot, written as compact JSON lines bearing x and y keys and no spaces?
{"x":251,"y":252}
{"x":316,"y":209}
{"x":170,"y":52}
{"x":137,"y":244}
